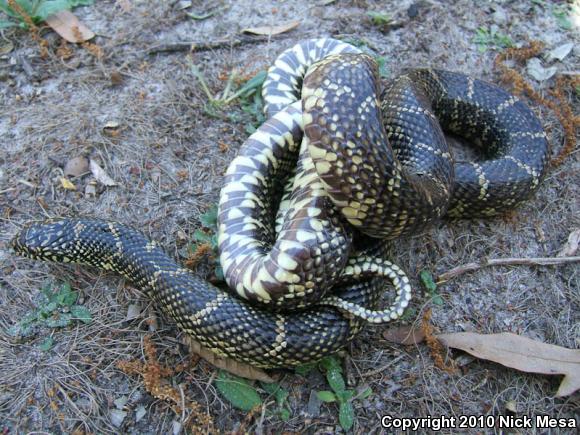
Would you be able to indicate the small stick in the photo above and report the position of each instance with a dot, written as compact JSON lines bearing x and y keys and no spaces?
{"x":533,"y":261}
{"x":211,"y":45}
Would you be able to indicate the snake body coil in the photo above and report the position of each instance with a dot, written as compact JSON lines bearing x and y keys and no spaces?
{"x":338,"y":157}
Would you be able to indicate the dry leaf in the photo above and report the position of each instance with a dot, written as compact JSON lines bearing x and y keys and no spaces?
{"x":67,"y":25}
{"x":571,"y":245}
{"x":66,"y":184}
{"x":125,"y":5}
{"x":521,"y":353}
{"x":76,"y":167}
{"x":272,"y":30}
{"x":91,"y":189}
{"x":133,"y":312}
{"x":559,"y":53}
{"x":235,"y":367}
{"x":406,"y":335}
{"x":101,"y":176}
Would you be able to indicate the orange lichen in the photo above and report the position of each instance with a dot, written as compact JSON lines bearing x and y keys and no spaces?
{"x":434,"y":345}
{"x":154,"y":378}
{"x":558,"y":103}
{"x":201,"y":251}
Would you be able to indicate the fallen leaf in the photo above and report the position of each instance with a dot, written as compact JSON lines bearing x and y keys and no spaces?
{"x":111,"y":125}
{"x":91,"y":189}
{"x":559,"y":53}
{"x":140,"y":413}
{"x":521,"y":353}
{"x":76,"y":167}
{"x":6,"y":47}
{"x":571,"y":245}
{"x":133,"y":312}
{"x":406,"y":335}
{"x":272,"y":30}
{"x":235,"y":367}
{"x":67,"y":25}
{"x":66,"y":184}
{"x":101,"y":176}
{"x":537,"y":71}
{"x":125,"y":5}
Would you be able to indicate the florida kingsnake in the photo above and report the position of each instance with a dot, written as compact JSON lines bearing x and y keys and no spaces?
{"x":299,"y":213}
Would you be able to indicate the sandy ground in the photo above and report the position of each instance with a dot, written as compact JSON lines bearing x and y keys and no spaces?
{"x":168,"y":155}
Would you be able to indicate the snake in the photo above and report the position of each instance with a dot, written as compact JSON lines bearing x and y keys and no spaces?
{"x":345,"y":162}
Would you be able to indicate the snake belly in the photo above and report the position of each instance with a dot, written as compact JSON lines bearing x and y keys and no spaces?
{"x":341,"y":154}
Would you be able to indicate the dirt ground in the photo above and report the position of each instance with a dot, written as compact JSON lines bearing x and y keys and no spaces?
{"x":140,"y":114}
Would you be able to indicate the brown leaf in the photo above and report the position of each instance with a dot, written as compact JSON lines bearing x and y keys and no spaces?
{"x":67,"y":25}
{"x":101,"y":176}
{"x":76,"y":167}
{"x":406,"y":335}
{"x":521,"y":353}
{"x":237,"y":368}
{"x":272,"y":30}
{"x":571,"y":245}
{"x":125,"y":5}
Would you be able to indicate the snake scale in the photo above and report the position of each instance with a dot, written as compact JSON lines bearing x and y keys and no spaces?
{"x":344,"y":162}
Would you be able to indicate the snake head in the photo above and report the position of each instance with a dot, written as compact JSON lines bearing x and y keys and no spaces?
{"x":41,"y":240}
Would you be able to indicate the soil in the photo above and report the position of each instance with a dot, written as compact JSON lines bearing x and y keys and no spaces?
{"x":141,"y":114}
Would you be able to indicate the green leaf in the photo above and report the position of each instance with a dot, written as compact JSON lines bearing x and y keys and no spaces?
{"x":344,"y":396}
{"x":49,"y":7}
{"x":382,"y":64}
{"x":81,"y":313}
{"x":201,"y":236}
{"x":561,"y":15}
{"x":284,"y":414}
{"x":209,"y":218}
{"x":5,"y":24}
{"x":330,"y":363}
{"x":335,"y":380}
{"x":277,"y":391}
{"x":431,"y":286}
{"x":47,"y":344}
{"x":252,"y":85}
{"x":237,"y":391}
{"x":304,"y":369}
{"x":62,"y":320}
{"x":48,"y":309}
{"x":346,"y":415}
{"x":66,"y":297}
{"x":379,"y":18}
{"x":270,"y":388}
{"x":326,"y":396}
{"x":428,"y":281}
{"x":366,"y":393}
{"x":75,"y":3}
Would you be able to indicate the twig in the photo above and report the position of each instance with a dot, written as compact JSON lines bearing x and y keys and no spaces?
{"x":533,"y":261}
{"x":211,"y":45}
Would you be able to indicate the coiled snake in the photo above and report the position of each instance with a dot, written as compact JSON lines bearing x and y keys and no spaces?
{"x":296,"y":210}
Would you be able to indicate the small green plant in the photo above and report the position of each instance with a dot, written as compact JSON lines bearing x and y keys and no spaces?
{"x":35,"y":10}
{"x":57,"y":308}
{"x":491,"y":39}
{"x":339,"y":393}
{"x":382,"y":64}
{"x":379,"y":18}
{"x":431,"y":287}
{"x":209,"y":237}
{"x":280,"y":395}
{"x":562,"y":15}
{"x":242,"y":395}
{"x":249,"y":95}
